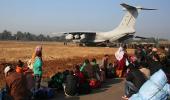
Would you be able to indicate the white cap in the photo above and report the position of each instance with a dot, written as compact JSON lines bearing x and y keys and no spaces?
{"x":7,"y":69}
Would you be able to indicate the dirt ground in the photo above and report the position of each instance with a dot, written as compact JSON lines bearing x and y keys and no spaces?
{"x":56,"y":56}
{"x":112,"y":89}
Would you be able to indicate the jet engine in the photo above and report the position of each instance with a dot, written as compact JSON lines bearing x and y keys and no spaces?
{"x":69,"y":37}
{"x":77,"y":37}
{"x":83,"y":36}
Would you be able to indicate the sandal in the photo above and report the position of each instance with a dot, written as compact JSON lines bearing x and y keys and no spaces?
{"x":125,"y":97}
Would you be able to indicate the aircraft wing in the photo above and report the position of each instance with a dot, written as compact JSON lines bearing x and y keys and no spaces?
{"x":140,"y":37}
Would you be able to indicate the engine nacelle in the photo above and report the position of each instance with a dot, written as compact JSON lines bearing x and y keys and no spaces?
{"x":77,"y":37}
{"x":69,"y":37}
{"x":83,"y":36}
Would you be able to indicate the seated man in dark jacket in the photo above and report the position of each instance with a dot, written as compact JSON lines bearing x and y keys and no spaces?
{"x":154,"y":63}
{"x":16,"y":84}
{"x":71,"y":85}
{"x":134,"y":80}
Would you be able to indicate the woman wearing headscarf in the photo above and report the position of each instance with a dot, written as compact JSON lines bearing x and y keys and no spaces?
{"x":86,"y":68}
{"x":37,"y":66}
{"x":121,"y":58}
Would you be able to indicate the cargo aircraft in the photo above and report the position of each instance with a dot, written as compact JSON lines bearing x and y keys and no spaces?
{"x":124,"y":31}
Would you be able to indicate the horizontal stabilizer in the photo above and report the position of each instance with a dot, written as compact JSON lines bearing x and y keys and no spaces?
{"x":127,"y":6}
{"x":146,"y":9}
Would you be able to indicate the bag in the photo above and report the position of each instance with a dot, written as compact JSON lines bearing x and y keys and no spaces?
{"x":127,"y":62}
{"x":119,"y":73}
{"x":84,"y":88}
{"x":49,"y":92}
{"x":111,"y":73}
{"x":4,"y":95}
{"x":57,"y":81}
{"x":94,"y":84}
{"x":39,"y":94}
{"x":30,"y":64}
{"x":43,"y":93}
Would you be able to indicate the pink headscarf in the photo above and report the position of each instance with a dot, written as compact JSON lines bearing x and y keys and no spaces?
{"x":38,"y":48}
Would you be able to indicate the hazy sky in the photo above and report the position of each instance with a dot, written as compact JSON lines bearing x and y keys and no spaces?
{"x":47,"y":16}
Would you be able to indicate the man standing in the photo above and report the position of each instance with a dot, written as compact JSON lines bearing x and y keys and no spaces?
{"x":134,"y":80}
{"x":104,"y":64}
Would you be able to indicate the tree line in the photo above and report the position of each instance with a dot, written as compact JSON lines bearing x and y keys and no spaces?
{"x":27,"y":36}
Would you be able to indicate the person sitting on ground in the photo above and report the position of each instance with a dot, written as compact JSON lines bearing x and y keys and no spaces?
{"x":134,"y":80}
{"x":19,"y":67}
{"x":84,"y":87}
{"x":79,"y":74}
{"x":29,"y":78}
{"x":138,"y":52}
{"x":162,"y":55}
{"x":16,"y":84}
{"x":76,"y":70}
{"x":156,"y":88}
{"x":71,"y":85}
{"x":145,"y":70}
{"x":28,"y":74}
{"x":154,"y":64}
{"x":149,"y":53}
{"x":143,"y":53}
{"x":96,"y":69}
{"x":111,"y":71}
{"x":86,"y":68}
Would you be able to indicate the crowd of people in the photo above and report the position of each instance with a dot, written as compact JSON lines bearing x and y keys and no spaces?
{"x":84,"y":77}
{"x":147,"y":67}
{"x":147,"y":74}
{"x":21,"y":79}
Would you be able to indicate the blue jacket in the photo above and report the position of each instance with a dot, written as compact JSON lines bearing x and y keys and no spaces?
{"x":156,"y":88}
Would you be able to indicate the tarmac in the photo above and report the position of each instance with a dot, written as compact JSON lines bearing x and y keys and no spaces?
{"x":112,"y":89}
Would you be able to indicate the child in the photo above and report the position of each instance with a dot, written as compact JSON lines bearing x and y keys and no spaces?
{"x":110,"y":71}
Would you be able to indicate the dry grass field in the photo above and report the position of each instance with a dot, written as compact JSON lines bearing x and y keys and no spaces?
{"x":56,"y":56}
{"x":12,"y":51}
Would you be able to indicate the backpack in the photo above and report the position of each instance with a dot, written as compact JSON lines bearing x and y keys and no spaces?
{"x":84,"y":88}
{"x":4,"y":95}
{"x":57,"y":81}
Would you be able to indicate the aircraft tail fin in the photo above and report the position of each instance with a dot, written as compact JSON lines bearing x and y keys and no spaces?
{"x":129,"y":18}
